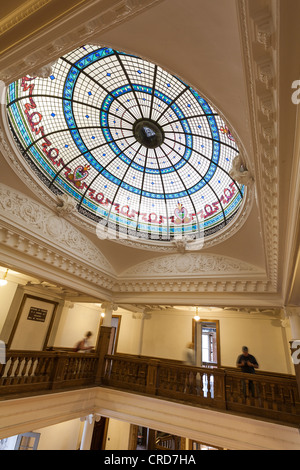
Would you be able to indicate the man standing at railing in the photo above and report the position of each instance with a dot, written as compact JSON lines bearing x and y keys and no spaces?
{"x":247,"y":363}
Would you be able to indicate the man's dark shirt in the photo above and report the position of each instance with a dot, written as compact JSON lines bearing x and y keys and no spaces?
{"x":245,"y":367}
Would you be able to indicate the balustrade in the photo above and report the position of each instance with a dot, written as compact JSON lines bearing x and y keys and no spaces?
{"x":272,"y":397}
{"x":41,"y":370}
{"x":269,"y":396}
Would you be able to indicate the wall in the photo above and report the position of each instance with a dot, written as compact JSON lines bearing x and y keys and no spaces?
{"x":117,"y":435}
{"x":266,"y":339}
{"x":75,"y":321}
{"x":129,"y":334}
{"x":62,"y":436}
{"x":6,"y":297}
{"x":72,"y":320}
{"x":167,"y":331}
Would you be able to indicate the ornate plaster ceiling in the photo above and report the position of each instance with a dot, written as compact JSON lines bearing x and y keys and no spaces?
{"x":235,"y":60}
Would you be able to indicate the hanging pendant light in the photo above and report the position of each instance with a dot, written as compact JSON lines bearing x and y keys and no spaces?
{"x":196,"y":317}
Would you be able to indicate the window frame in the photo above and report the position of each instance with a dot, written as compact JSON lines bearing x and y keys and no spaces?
{"x":200,"y":323}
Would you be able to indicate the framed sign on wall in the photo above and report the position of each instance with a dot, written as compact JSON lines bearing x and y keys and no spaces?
{"x":33,"y":324}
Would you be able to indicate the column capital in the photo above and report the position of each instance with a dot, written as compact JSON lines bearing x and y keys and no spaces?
{"x":293,"y":314}
{"x":109,"y":306}
{"x":292,"y":310}
{"x":88,"y":418}
{"x":145,"y":314}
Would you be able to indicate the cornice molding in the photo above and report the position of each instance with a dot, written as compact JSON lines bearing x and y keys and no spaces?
{"x":29,"y":228}
{"x":84,"y":24}
{"x":259,"y":29}
{"x":197,"y":286}
{"x":21,"y":13}
{"x":41,"y":225}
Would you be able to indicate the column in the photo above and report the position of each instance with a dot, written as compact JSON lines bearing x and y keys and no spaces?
{"x":294,"y":316}
{"x":88,"y":430}
{"x":144,"y":315}
{"x":108,"y":308}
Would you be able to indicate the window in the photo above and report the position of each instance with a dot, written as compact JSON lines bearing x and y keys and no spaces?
{"x":139,"y":150}
{"x":207,"y":343}
{"x":27,"y":441}
{"x":195,"y":445}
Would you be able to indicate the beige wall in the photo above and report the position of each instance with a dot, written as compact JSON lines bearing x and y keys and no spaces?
{"x":6,"y":297}
{"x":75,"y":321}
{"x":167,"y":331}
{"x":266,"y":339}
{"x":62,"y":436}
{"x":117,"y":435}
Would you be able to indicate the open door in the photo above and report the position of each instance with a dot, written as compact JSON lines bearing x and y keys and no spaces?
{"x":99,"y":434}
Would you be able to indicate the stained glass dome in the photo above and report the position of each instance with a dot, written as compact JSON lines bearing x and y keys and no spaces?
{"x":139,"y":150}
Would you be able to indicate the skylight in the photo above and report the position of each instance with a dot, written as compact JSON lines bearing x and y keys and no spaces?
{"x":139,"y":150}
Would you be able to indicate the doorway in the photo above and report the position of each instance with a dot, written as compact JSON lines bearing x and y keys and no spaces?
{"x":115,"y":329}
{"x":207,"y":343}
{"x":99,"y":434}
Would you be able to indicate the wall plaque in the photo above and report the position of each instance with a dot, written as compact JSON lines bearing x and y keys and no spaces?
{"x":37,"y":314}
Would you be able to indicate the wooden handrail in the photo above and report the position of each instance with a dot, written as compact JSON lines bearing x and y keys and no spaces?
{"x":269,"y":396}
{"x":36,"y":371}
{"x":264,"y":395}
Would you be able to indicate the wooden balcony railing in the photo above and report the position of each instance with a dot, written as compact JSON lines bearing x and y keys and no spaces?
{"x":264,"y":395}
{"x":37,"y":371}
{"x":267,"y":396}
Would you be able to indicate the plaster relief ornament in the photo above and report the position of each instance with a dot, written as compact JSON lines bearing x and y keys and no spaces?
{"x":66,"y":205}
{"x":143,"y":155}
{"x":240,"y":173}
{"x":43,"y":72}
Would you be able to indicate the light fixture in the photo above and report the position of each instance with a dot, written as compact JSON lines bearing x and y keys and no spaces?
{"x":196,"y":317}
{"x":3,"y":281}
{"x":102,"y":314}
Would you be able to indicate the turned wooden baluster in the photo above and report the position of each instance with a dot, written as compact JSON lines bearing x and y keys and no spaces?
{"x":30,"y":374}
{"x":24,"y":369}
{"x":9,"y":378}
{"x":2,"y":370}
{"x":17,"y":369}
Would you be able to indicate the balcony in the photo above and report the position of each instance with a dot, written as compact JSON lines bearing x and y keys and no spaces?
{"x":267,"y":396}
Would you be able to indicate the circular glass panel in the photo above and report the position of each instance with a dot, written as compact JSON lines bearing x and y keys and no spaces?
{"x":140,"y":151}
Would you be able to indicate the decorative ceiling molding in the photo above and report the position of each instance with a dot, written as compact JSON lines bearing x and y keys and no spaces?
{"x":191,"y":265}
{"x":259,"y":48}
{"x":21,"y":13}
{"x":33,"y":257}
{"x":30,"y":229}
{"x":259,"y":31}
{"x":85,"y":22}
{"x":41,"y":223}
{"x":190,"y":286}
